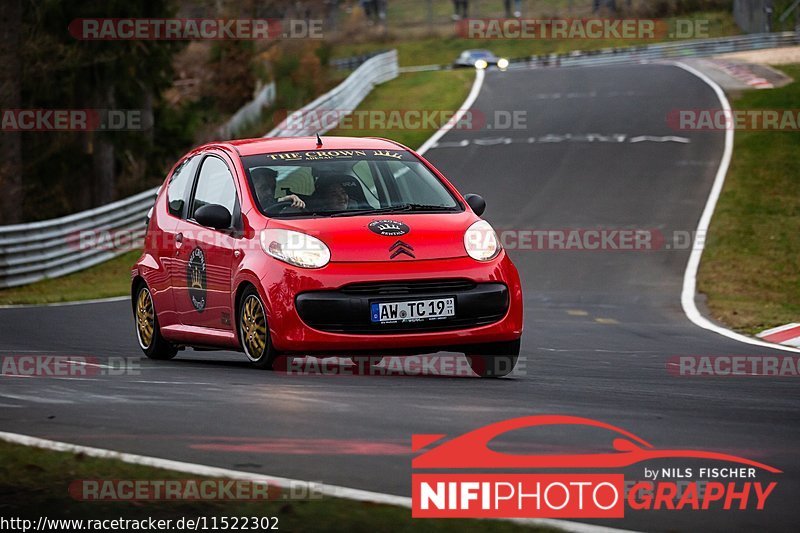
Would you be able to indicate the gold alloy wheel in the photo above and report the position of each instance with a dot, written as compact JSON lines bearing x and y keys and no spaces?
{"x":253,"y":328}
{"x":145,"y":318}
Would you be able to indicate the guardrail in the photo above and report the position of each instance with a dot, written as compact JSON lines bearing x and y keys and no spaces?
{"x":323,"y":114}
{"x":353,"y":62}
{"x":59,"y":246}
{"x":52,"y":248}
{"x":248,"y":113}
{"x":661,"y":51}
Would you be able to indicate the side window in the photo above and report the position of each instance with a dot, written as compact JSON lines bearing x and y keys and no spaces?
{"x":214,"y":186}
{"x":178,"y":190}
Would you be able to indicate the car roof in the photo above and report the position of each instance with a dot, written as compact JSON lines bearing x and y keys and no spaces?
{"x":268,"y":145}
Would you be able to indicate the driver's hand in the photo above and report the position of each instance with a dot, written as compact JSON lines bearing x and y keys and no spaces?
{"x":296,"y":201}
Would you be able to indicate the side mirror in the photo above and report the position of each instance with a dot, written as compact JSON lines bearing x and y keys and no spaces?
{"x":476,"y":203}
{"x":213,"y":216}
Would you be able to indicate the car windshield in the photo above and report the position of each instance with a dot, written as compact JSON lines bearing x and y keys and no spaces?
{"x":481,"y":54}
{"x":344,"y":183}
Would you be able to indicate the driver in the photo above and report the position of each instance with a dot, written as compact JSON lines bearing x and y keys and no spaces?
{"x":332,"y":197}
{"x":264,"y":180}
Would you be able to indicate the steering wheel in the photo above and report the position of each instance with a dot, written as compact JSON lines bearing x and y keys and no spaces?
{"x":277,"y":207}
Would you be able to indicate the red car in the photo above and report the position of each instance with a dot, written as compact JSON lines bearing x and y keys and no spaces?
{"x":340,"y":246}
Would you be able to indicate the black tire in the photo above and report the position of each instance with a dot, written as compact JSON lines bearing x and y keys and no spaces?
{"x":494,"y":360}
{"x":253,"y":331}
{"x":148,"y":332}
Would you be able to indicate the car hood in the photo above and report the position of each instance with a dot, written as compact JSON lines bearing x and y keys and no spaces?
{"x":351,"y":239}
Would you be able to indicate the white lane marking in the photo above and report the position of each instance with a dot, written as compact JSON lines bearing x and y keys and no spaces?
{"x":84,"y":363}
{"x":492,"y":142}
{"x":65,"y":304}
{"x":457,"y":144}
{"x":480,"y":75}
{"x":667,"y":138}
{"x":35,"y":399}
{"x":690,"y":275}
{"x":332,"y":491}
{"x":614,"y":138}
{"x":153,"y":382}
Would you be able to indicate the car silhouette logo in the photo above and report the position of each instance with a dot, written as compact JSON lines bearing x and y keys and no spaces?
{"x":471,"y":450}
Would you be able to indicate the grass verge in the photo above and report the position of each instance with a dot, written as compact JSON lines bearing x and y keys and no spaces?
{"x":35,"y":483}
{"x":418,"y":91}
{"x":750,"y":269}
{"x":112,"y":278}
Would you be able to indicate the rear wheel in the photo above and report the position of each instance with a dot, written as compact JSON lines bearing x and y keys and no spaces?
{"x":253,"y":331}
{"x":148,"y":331}
{"x":494,"y":360}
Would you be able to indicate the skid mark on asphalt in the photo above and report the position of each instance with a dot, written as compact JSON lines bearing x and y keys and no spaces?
{"x":591,"y":94}
{"x":300,"y":446}
{"x":555,"y":138}
{"x":606,"y":321}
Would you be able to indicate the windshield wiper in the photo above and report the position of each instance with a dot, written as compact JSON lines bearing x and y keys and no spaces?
{"x":421,"y":207}
{"x":372,"y":211}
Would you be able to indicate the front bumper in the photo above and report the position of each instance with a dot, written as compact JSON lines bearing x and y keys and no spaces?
{"x":327,"y":310}
{"x":347,"y":310}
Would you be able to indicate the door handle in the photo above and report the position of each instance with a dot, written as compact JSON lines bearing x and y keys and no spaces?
{"x":178,"y":243}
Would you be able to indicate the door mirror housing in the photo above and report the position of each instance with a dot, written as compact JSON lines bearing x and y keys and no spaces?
{"x":213,"y":216}
{"x":476,"y":203}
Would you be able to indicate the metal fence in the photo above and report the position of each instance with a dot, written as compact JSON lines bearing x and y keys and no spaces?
{"x":53,"y":248}
{"x":662,"y":51}
{"x":323,"y":114}
{"x":249,"y":113}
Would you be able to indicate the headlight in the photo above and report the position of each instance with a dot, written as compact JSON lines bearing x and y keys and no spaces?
{"x":481,"y":64}
{"x":481,"y":241}
{"x":295,"y":248}
{"x":502,"y":63}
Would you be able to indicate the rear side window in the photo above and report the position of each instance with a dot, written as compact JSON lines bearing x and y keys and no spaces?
{"x":180,"y":186}
{"x":214,"y":186}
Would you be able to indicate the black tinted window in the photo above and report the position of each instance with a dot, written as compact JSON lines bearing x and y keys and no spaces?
{"x":214,"y":186}
{"x":179,"y":186}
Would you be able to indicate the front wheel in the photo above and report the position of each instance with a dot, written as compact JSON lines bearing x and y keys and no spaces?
{"x":148,"y":331}
{"x":494,"y":360}
{"x":254,"y":332}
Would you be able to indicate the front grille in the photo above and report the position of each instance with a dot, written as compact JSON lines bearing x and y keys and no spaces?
{"x":403,"y":288}
{"x":347,"y":310}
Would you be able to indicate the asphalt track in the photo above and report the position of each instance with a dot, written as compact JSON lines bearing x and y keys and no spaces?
{"x":599,"y":326}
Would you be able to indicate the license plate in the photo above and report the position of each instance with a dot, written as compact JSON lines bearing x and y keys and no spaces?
{"x":412,"y":311}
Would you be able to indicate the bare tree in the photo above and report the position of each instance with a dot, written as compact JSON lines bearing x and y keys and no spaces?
{"x":11,"y":192}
